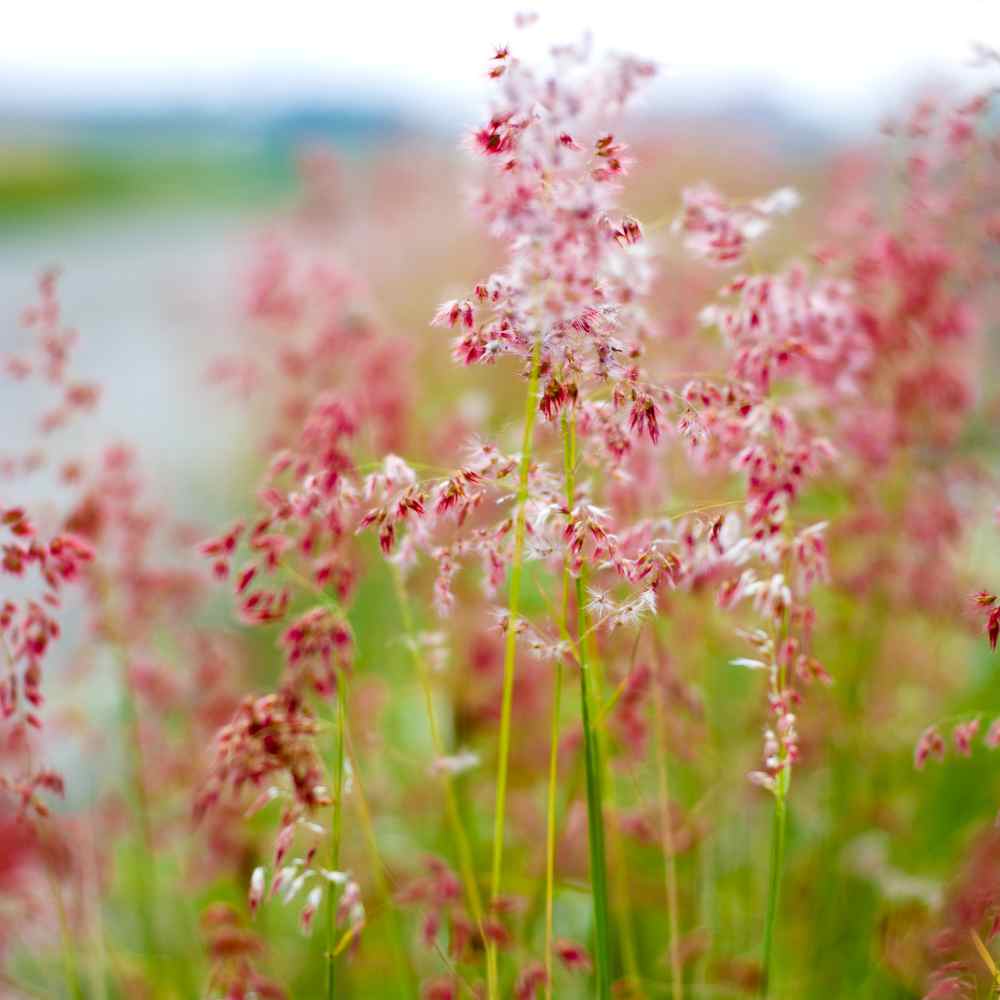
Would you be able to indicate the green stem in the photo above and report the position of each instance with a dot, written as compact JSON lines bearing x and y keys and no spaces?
{"x":463,"y":849}
{"x":666,"y":829}
{"x":781,"y":782}
{"x":344,"y":750}
{"x":595,"y":809}
{"x":616,"y":847}
{"x":336,"y":827}
{"x":550,"y":824}
{"x":91,"y":893}
{"x":774,"y":887}
{"x":145,"y":880}
{"x":569,"y":469}
{"x":510,"y":648}
{"x":666,"y":832}
{"x":379,"y":871}
{"x":70,"y":966}
{"x":144,"y":876}
{"x":592,"y":759}
{"x":535,"y":910}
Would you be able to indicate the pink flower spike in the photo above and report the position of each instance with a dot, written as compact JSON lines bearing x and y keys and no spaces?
{"x":963,"y":735}
{"x":929,"y":745}
{"x":308,"y":914}
{"x":257,"y":886}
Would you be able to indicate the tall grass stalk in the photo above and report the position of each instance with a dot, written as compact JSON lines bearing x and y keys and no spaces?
{"x":70,"y":963}
{"x":774,"y":881}
{"x":782,"y":781}
{"x":463,"y":848}
{"x":550,"y":823}
{"x":616,"y":845}
{"x":510,"y":647}
{"x":667,"y":839}
{"x":592,"y":760}
{"x":569,"y":471}
{"x":401,"y":957}
{"x":595,"y":809}
{"x":984,"y":954}
{"x":145,"y":880}
{"x":96,"y":950}
{"x":144,"y":876}
{"x":336,"y":827}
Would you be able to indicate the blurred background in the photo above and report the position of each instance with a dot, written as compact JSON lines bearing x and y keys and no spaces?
{"x":141,"y":148}
{"x":148,"y":150}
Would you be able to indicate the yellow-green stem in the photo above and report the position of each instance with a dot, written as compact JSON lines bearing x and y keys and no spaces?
{"x":592,"y":760}
{"x":336,"y":826}
{"x":616,"y":847}
{"x":379,"y":872}
{"x":70,"y":965}
{"x":510,"y":648}
{"x":463,"y":849}
{"x":984,"y":954}
{"x":91,"y":894}
{"x":569,"y":470}
{"x":623,"y":896}
{"x":774,"y":884}
{"x":667,"y":836}
{"x":781,"y":783}
{"x":595,"y":805}
{"x":145,"y":880}
{"x":550,"y":824}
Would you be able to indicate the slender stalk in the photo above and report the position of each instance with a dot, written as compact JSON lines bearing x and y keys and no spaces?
{"x":92,"y":895}
{"x":592,"y":760}
{"x":379,"y":871}
{"x":984,"y":954}
{"x":568,"y":794}
{"x":595,"y":809}
{"x":569,"y":469}
{"x":616,"y":847}
{"x":138,"y":757}
{"x":463,"y":849}
{"x":781,"y":784}
{"x":70,"y":965}
{"x":667,"y":835}
{"x":774,"y":886}
{"x":336,"y":828}
{"x":344,"y":750}
{"x":145,"y":879}
{"x":623,"y":895}
{"x":510,"y":648}
{"x":550,"y":824}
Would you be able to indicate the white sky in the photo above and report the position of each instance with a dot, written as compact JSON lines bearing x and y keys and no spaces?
{"x":841,"y":55}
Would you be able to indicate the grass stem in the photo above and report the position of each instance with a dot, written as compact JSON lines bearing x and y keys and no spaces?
{"x":550,"y":824}
{"x":144,"y":876}
{"x":380,"y":876}
{"x":592,"y":756}
{"x":510,"y":647}
{"x":463,"y":849}
{"x":70,"y":964}
{"x":336,"y":827}
{"x":667,"y":840}
{"x":569,"y":470}
{"x":774,"y":883}
{"x":595,"y":809}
